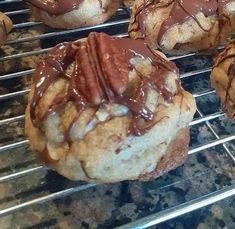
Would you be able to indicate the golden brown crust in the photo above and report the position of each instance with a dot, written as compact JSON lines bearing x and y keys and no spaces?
{"x":5,"y":27}
{"x":222,"y":82}
{"x":85,"y":15}
{"x":175,"y":156}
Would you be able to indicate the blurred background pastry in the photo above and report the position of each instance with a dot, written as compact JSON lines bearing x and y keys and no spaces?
{"x":5,"y":27}
{"x":222,"y":78}
{"x":73,"y":14}
{"x":179,"y":27}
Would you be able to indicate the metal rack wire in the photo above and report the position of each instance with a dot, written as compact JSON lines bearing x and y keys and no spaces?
{"x":9,"y":146}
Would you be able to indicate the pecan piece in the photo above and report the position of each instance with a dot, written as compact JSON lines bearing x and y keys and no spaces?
{"x":101,"y":69}
{"x":86,"y":78}
{"x":113,"y":62}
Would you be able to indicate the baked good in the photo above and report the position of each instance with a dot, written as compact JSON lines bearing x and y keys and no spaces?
{"x":183,"y":26}
{"x":222,"y":78}
{"x":5,"y":27}
{"x":70,"y":14}
{"x":106,"y":109}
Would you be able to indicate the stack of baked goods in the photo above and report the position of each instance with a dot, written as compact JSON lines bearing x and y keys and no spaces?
{"x":105,"y":109}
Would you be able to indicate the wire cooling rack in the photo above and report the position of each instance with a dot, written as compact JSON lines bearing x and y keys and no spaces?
{"x":26,"y":186}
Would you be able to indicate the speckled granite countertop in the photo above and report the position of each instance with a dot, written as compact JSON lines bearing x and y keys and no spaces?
{"x":107,"y":206}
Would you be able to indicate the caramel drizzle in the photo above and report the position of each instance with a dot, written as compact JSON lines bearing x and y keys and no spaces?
{"x":54,"y":66}
{"x":57,"y":7}
{"x":181,"y":10}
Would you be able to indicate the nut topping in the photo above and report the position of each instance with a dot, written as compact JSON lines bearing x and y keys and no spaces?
{"x":113,"y":61}
{"x":86,"y":78}
{"x":101,"y":69}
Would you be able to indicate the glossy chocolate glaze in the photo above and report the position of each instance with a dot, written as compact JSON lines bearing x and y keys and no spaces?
{"x":180,"y":11}
{"x":183,"y":9}
{"x":57,"y":7}
{"x":89,"y":76}
{"x":50,"y":69}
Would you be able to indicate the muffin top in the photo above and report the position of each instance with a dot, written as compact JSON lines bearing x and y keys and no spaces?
{"x":111,"y":76}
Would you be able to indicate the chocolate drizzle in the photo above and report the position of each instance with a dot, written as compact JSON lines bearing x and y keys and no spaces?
{"x":57,"y":7}
{"x":94,"y":82}
{"x":49,"y":70}
{"x":180,"y":11}
{"x":231,"y":76}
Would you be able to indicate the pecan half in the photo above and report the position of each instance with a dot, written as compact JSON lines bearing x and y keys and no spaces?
{"x":113,"y":61}
{"x":86,"y":78}
{"x":101,"y":69}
